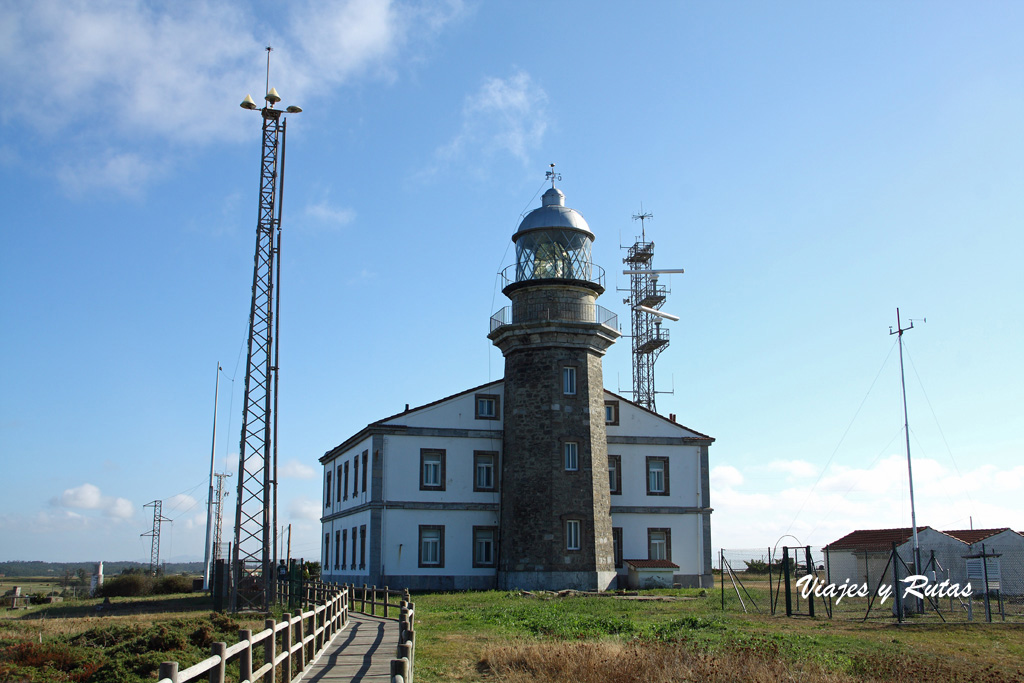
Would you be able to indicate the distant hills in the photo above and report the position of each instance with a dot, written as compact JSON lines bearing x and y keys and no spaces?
{"x":58,"y":569}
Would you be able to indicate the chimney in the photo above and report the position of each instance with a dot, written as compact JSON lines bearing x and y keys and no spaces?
{"x":672,"y":417}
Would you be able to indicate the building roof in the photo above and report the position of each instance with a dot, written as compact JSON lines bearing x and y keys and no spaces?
{"x":652,"y":564}
{"x":972,"y":536}
{"x":658,"y":415}
{"x":873,"y":539}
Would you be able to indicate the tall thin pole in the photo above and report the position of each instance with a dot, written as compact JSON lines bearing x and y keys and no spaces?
{"x":906,"y":430}
{"x":207,"y":562}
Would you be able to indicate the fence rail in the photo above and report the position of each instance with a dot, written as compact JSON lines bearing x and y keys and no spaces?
{"x":290,"y":645}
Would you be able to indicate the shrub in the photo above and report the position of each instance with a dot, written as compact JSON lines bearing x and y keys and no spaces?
{"x":173,"y":584}
{"x":126,"y":586}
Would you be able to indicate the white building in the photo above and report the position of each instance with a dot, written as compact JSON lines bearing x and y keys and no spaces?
{"x":413,"y":500}
{"x":520,"y":483}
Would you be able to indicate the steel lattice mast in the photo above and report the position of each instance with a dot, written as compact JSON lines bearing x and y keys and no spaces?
{"x":158,"y":519}
{"x":255,"y":511}
{"x":646,"y":297}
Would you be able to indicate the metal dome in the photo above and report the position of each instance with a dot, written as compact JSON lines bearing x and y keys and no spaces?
{"x":553,"y":213}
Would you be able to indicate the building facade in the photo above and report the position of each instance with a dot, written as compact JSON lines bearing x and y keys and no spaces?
{"x":542,"y":480}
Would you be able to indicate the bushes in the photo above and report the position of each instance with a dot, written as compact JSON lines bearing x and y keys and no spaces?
{"x":135,"y":585}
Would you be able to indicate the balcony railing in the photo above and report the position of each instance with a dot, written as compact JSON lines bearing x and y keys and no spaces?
{"x":555,"y":312}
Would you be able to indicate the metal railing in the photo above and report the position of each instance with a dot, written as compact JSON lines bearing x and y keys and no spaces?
{"x":590,"y":273}
{"x":554,"y":312}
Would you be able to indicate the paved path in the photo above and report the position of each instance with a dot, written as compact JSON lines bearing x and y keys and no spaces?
{"x":362,"y":652}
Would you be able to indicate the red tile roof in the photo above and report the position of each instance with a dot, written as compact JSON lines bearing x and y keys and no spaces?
{"x":972,"y":536}
{"x":873,"y":539}
{"x":652,"y":564}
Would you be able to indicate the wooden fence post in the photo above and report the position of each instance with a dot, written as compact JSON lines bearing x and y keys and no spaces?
{"x":302,"y":647}
{"x":373,"y":601}
{"x":400,"y":667}
{"x":286,"y":648}
{"x":245,"y":657}
{"x":387,"y":598}
{"x":168,"y":670}
{"x":217,"y":672}
{"x":363,"y":603}
{"x":270,"y":651}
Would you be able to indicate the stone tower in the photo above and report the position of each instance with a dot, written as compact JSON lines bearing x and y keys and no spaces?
{"x":555,"y":504}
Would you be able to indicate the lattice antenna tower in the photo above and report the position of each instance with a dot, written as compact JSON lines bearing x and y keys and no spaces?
{"x":158,"y":519}
{"x":252,"y":586}
{"x":218,"y":516}
{"x":646,"y":297}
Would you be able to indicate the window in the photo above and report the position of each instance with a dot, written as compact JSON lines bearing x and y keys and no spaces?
{"x":431,"y":546}
{"x":344,"y":548}
{"x":327,"y":549}
{"x":485,"y":545}
{"x":569,"y":380}
{"x":327,"y":501}
{"x":353,"y":565}
{"x":617,"y":545}
{"x":485,"y":471}
{"x":362,"y":546}
{"x":615,"y":474}
{"x":337,"y":549}
{"x":346,"y":482}
{"x":571,"y":451}
{"x":572,"y":534}
{"x":366,"y":469}
{"x":355,"y":476}
{"x":659,"y":544}
{"x":432,"y":470}
{"x":337,"y":484}
{"x":611,"y":412}
{"x":487,"y":406}
{"x":657,"y":476}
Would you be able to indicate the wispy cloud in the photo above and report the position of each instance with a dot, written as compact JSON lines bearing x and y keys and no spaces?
{"x":139,"y":74}
{"x":293,"y":469}
{"x":326,"y":215}
{"x":89,"y":497}
{"x":304,"y":508}
{"x":505,"y":116}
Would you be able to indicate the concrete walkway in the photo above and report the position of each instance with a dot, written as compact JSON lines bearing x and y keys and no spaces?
{"x":362,"y":652}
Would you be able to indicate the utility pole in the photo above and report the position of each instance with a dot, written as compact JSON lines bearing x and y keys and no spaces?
{"x":158,"y":519}
{"x":207,"y":562}
{"x":906,"y":430}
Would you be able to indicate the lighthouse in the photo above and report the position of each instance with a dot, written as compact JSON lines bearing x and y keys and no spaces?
{"x":555,"y":515}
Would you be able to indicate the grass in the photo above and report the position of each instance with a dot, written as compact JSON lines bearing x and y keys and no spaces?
{"x":506,"y":637}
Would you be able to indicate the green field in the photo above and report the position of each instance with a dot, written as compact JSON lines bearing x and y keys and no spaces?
{"x":500,"y":636}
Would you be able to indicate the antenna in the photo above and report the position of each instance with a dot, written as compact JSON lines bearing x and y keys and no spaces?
{"x":906,"y":429}
{"x":269,"y":50}
{"x":646,"y":296}
{"x":552,"y":176}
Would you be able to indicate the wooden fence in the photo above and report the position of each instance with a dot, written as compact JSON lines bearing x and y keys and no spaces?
{"x":289,"y":646}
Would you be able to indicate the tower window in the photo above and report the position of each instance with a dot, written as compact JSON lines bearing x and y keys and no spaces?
{"x":431,"y":546}
{"x":657,"y":476}
{"x":432,"y":474}
{"x":484,"y":546}
{"x":615,"y":474}
{"x":617,"y":546}
{"x":572,"y":534}
{"x":571,"y":451}
{"x":485,"y":471}
{"x":659,"y":544}
{"x":569,"y":381}
{"x":487,"y":406}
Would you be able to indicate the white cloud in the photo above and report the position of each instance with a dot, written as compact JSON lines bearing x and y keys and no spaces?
{"x":755,"y":511}
{"x":89,"y":497}
{"x":293,"y":469}
{"x":304,"y":508}
{"x":137,"y":74}
{"x":505,"y":116}
{"x":330,"y":216}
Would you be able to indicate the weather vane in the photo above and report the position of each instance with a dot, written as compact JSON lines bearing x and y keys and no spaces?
{"x":552,"y":176}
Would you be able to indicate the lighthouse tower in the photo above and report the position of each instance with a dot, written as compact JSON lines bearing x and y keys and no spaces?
{"x":555,"y":519}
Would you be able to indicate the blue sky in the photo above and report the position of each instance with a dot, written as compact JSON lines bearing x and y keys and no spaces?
{"x":813,"y":166}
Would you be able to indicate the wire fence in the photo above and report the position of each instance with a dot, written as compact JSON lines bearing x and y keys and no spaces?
{"x":955,"y":584}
